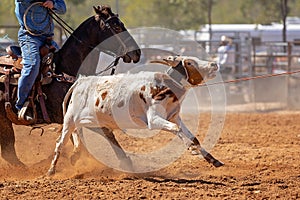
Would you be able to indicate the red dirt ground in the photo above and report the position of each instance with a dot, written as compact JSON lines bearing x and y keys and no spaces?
{"x":260,"y":152}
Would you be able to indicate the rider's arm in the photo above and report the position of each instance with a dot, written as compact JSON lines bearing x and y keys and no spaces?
{"x":59,"y":6}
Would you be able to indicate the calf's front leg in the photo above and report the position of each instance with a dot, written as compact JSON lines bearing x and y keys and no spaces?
{"x":192,"y":142}
{"x":156,"y":121}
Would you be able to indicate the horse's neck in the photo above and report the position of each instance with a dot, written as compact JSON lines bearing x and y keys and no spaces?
{"x":71,"y":56}
{"x":89,"y":65}
{"x":76,"y":49}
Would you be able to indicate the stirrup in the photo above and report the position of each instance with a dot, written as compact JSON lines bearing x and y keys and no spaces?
{"x":23,"y":117}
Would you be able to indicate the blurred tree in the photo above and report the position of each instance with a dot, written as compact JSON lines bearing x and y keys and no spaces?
{"x":284,"y":12}
{"x":138,"y":13}
{"x":7,"y":17}
{"x":7,"y":9}
{"x":208,"y":5}
{"x":76,"y":2}
{"x":261,"y":12}
{"x":173,"y":14}
{"x":266,"y":12}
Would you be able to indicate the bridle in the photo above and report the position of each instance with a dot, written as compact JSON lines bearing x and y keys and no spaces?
{"x":106,"y":24}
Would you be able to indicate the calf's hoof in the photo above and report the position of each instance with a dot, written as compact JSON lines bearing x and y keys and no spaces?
{"x":217,"y":163}
{"x":75,"y":157}
{"x":50,"y":172}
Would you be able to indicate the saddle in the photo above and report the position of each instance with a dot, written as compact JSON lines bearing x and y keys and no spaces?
{"x":10,"y":71}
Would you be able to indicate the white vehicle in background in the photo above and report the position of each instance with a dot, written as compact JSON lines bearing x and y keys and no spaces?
{"x":257,"y":33}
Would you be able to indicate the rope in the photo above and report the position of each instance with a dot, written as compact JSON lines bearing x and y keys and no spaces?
{"x":250,"y":78}
{"x":31,"y":31}
{"x":112,"y":66}
{"x":67,"y":28}
{"x":52,"y":14}
{"x":61,"y":22}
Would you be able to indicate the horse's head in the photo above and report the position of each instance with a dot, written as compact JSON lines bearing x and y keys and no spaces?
{"x":117,"y":39}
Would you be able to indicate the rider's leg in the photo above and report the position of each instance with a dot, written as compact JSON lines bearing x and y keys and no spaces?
{"x":30,"y":46}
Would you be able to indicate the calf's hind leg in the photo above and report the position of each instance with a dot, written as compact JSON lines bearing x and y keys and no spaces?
{"x":61,"y":141}
{"x":76,"y":146}
{"x":125,"y":161}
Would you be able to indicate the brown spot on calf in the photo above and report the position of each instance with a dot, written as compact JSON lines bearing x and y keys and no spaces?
{"x":161,"y":93}
{"x":121,"y":104}
{"x":195,"y":77}
{"x":103,"y":95}
{"x":97,"y":102}
{"x":142,"y":97}
{"x":143,"y":88}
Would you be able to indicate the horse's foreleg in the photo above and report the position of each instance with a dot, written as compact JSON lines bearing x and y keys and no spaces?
{"x":7,"y":139}
{"x":193,"y":143}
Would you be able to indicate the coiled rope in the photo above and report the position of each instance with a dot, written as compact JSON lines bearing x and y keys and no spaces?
{"x":30,"y":29}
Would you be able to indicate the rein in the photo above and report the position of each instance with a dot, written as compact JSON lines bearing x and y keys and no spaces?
{"x":111,"y":66}
{"x":68,"y":29}
{"x":61,"y":22}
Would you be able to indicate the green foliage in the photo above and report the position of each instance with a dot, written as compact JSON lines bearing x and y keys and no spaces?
{"x":262,"y":11}
{"x":76,"y":2}
{"x":174,"y":14}
{"x":7,"y":9}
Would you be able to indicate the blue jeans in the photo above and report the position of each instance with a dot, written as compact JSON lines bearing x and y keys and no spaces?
{"x":30,"y":46}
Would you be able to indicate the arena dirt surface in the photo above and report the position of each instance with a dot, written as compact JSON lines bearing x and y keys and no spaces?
{"x":260,"y":152}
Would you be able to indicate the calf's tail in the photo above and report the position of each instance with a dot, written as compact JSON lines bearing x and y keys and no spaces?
{"x":67,"y":98}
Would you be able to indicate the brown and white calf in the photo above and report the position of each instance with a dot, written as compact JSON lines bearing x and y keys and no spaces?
{"x":151,"y":100}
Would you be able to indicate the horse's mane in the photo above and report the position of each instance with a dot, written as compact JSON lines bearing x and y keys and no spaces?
{"x":81,"y":27}
{"x":76,"y":43}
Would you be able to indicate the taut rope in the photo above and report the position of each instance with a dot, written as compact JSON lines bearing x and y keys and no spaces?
{"x":250,"y":78}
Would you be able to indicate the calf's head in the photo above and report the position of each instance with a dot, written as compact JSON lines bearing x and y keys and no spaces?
{"x":192,"y":69}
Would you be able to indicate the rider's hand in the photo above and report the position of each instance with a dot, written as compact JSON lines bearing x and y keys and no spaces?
{"x":48,"y":4}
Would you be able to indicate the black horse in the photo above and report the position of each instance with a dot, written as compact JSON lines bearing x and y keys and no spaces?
{"x":89,"y":35}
